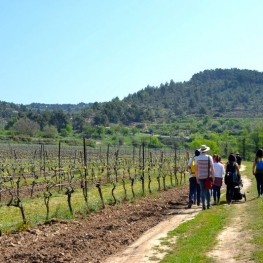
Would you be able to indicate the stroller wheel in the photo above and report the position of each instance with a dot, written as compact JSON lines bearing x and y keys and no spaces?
{"x":245,"y":197}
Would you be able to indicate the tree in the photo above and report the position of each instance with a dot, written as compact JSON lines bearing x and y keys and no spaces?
{"x":66,"y":131}
{"x":24,"y":126}
{"x":49,"y":132}
{"x":78,"y":123}
{"x":59,"y":119}
{"x":88,"y":130}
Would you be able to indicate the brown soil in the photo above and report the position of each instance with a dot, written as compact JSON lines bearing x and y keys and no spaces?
{"x":96,"y":237}
{"x":125,"y":233}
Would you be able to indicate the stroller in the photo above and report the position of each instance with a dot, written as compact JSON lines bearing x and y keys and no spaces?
{"x":234,"y":186}
{"x":237,"y":195}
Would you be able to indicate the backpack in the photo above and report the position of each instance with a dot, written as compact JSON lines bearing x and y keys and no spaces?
{"x":259,"y":166}
{"x":193,"y":167}
{"x":231,"y":176}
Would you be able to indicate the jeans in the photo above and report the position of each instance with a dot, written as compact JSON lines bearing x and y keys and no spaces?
{"x":205,"y":194}
{"x":194,"y":191}
{"x":229,"y":192}
{"x":259,"y":178}
{"x":216,"y":193}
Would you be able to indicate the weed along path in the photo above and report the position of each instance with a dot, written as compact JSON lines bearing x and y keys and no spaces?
{"x":233,"y":242}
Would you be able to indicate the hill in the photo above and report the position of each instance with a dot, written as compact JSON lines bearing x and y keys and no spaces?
{"x":229,"y":93}
{"x":212,"y":93}
{"x":220,"y":92}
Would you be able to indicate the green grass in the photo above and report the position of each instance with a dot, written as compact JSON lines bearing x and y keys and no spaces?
{"x":35,"y":209}
{"x":194,"y":237}
{"x":255,"y":219}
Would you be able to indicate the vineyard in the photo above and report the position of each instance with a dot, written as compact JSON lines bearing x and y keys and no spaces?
{"x":40,"y":182}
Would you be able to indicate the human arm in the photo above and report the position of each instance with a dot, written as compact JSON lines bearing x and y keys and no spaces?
{"x":253,"y":167}
{"x":189,"y":165}
{"x":237,"y":168}
{"x":212,"y":170}
{"x":196,"y":173}
{"x":223,"y":170}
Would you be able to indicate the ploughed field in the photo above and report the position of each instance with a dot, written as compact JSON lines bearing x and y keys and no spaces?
{"x":94,"y":238}
{"x":48,"y":195}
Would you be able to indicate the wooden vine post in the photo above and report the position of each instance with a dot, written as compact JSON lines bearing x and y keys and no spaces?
{"x":163,"y":172}
{"x":85,"y":183}
{"x":149,"y":172}
{"x":131,"y":177}
{"x":59,"y":166}
{"x":175,"y":165}
{"x":143,"y":167}
{"x":107,"y":162}
{"x":116,"y":165}
{"x":123,"y":185}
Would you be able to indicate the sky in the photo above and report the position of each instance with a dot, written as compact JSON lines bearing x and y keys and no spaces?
{"x":73,"y":51}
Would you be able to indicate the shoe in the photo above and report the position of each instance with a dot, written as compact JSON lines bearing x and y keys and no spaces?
{"x":209,"y":207}
{"x":190,"y":204}
{"x":204,"y":208}
{"x":245,"y":197}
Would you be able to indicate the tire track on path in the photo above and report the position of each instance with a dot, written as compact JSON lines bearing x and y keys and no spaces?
{"x":234,"y":240}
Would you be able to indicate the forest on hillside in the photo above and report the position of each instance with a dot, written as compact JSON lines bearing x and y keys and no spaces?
{"x":218,"y":101}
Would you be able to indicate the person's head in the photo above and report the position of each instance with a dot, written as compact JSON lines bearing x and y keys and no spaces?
{"x":215,"y":158}
{"x":197,"y":152}
{"x":204,"y":149}
{"x":231,"y":158}
{"x":259,"y":153}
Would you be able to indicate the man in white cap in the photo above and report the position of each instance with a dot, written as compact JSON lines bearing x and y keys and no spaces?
{"x":205,"y":169}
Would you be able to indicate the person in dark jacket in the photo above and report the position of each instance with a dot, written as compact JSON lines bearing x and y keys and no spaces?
{"x":239,"y":159}
{"x":232,"y":177}
{"x":257,"y":171}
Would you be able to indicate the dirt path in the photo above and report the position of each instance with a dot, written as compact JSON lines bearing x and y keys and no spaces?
{"x":229,"y":248}
{"x":142,"y":250}
{"x":233,"y":241}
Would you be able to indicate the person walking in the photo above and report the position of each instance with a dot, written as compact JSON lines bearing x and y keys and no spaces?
{"x":205,"y":169}
{"x":239,"y":159}
{"x":219,"y":174}
{"x":232,"y":177}
{"x":194,"y":188}
{"x":257,"y":171}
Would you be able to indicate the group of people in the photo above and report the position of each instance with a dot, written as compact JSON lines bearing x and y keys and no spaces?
{"x":202,"y":166}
